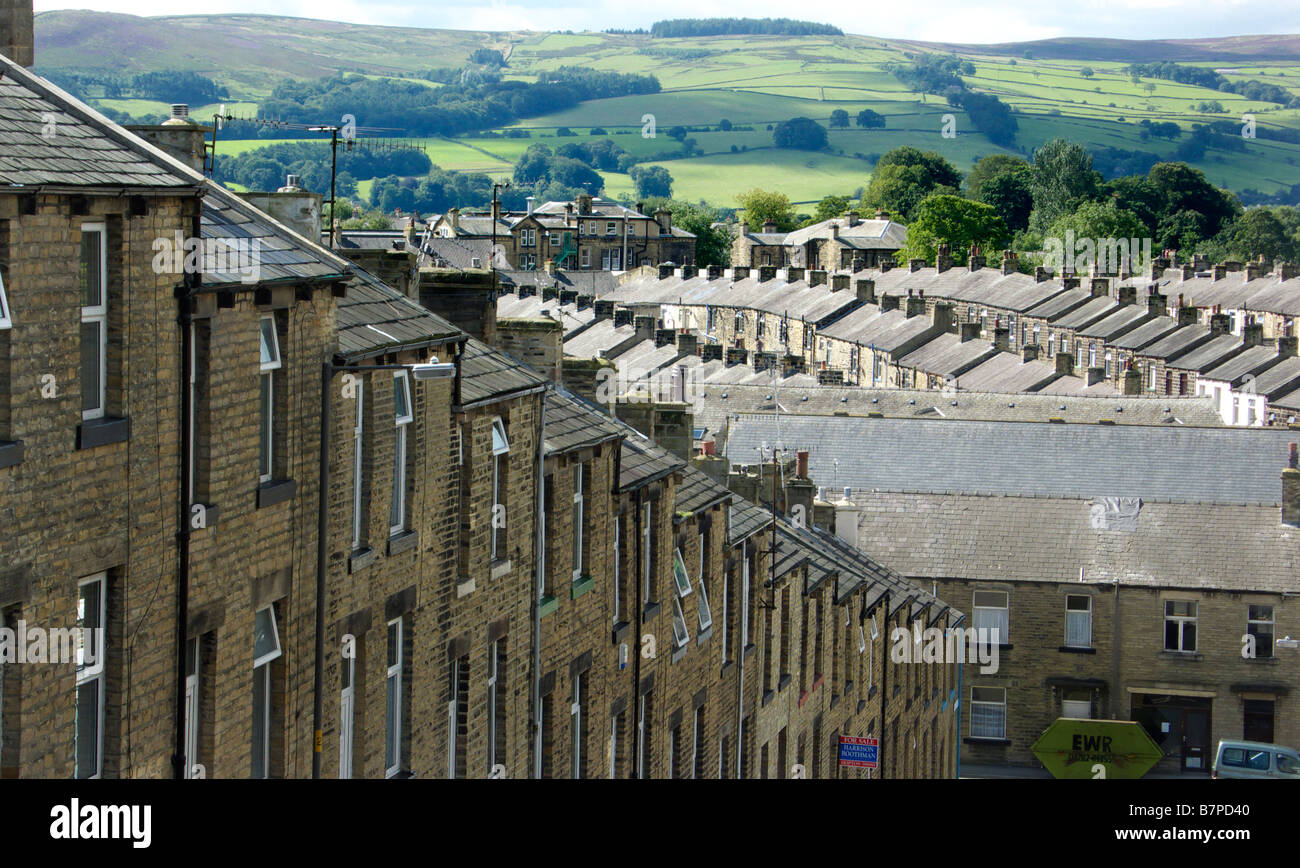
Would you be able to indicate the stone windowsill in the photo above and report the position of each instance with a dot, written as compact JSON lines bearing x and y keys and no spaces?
{"x":784,"y":682}
{"x":1076,"y":649}
{"x":862,"y":703}
{"x":500,"y":568}
{"x":702,"y":636}
{"x":680,"y":652}
{"x":1189,"y":656}
{"x":650,"y":611}
{"x":548,"y":604}
{"x":11,"y":453}
{"x":1271,"y":660}
{"x":360,"y":559}
{"x":992,"y":742}
{"x":209,"y":515}
{"x":580,"y":586}
{"x":727,"y":667}
{"x":275,"y":491}
{"x":465,"y":588}
{"x":621,"y":631}
{"x":102,"y":431}
{"x":403,"y":541}
{"x":768,"y":697}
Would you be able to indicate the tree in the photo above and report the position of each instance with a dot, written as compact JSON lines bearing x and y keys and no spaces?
{"x":1183,"y":188}
{"x":1098,"y":220}
{"x":652,"y":181}
{"x":829,"y":208}
{"x":1063,"y":177}
{"x":724,"y":125}
{"x":762,"y":206}
{"x":1086,"y":72}
{"x":1004,"y":183}
{"x":870,"y":120}
{"x":840,"y":119}
{"x":801,"y":133}
{"x":905,"y":176}
{"x":958,"y":222}
{"x":1260,"y":232}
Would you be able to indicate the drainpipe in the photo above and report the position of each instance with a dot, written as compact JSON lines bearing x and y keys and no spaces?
{"x":956,"y":742}
{"x":638,"y":581}
{"x":322,"y":530}
{"x":884,"y":691}
{"x":539,"y":585}
{"x":1114,"y":659}
{"x":744,"y":637}
{"x":191,"y":281}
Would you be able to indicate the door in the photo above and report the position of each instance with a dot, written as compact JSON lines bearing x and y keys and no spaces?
{"x":192,"y":709}
{"x":1196,"y":740}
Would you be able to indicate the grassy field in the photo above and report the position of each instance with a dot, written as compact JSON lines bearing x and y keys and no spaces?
{"x":751,"y":81}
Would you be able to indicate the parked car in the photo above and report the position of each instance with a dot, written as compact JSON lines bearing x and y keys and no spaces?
{"x":1252,"y":759}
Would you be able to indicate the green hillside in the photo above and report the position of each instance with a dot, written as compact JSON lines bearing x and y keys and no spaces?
{"x":749,"y":80}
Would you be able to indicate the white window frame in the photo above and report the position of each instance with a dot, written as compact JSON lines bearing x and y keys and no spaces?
{"x":586,"y":257}
{"x":617,"y":556}
{"x":493,"y":648}
{"x":6,"y":315}
{"x":98,"y":314}
{"x":986,"y":703}
{"x":1077,"y":614}
{"x":697,"y":738}
{"x":647,"y":556}
{"x":193,"y":647}
{"x":575,"y":719}
{"x":681,"y":635}
{"x":347,"y":718}
{"x":500,"y":446}
{"x":402,"y":416}
{"x":262,"y":670}
{"x":611,"y":227}
{"x":358,"y":463}
{"x":704,"y":613}
{"x":579,"y":517}
{"x":270,"y":360}
{"x":640,"y":737}
{"x":613,"y":743}
{"x":983,"y":614}
{"x":744,"y":601}
{"x":680,"y":577}
{"x":1270,"y":622}
{"x":90,"y":663}
{"x":672,"y":751}
{"x":1182,"y":621}
{"x":393,"y":694}
{"x":726,"y":599}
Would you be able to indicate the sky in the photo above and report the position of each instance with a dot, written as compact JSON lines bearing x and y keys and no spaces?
{"x":927,"y":20}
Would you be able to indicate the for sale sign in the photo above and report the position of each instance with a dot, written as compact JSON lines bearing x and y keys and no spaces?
{"x":859,"y":753}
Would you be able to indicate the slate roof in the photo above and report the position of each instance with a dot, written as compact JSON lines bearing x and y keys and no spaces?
{"x":1207,"y":355}
{"x":86,"y":148}
{"x":1116,"y":323}
{"x":1007,"y":372}
{"x":744,"y":520}
{"x":374,"y":318}
{"x":1277,"y":379}
{"x":573,"y":423}
{"x":641,"y":462}
{"x":947,"y":355}
{"x":1243,"y":364}
{"x":1176,"y":342}
{"x":867,"y":234}
{"x":1145,"y":334}
{"x":932,"y":536}
{"x":488,"y":374}
{"x":276,"y":253}
{"x":697,"y":492}
{"x":1016,"y":458}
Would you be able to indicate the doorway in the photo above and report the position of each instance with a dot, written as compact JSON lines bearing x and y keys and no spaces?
{"x":1180,"y":725}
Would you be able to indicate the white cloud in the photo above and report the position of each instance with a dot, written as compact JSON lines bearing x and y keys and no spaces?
{"x":924,"y":20}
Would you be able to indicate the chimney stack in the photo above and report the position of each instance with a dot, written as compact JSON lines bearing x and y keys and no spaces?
{"x":976,"y":261}
{"x":866,"y":289}
{"x":839,"y":282}
{"x":17,"y":34}
{"x":1064,"y":364}
{"x":1002,"y":338}
{"x":942,"y":259}
{"x":1291,"y":489}
{"x":1096,"y":375}
{"x":1010,"y":262}
{"x":968,"y":331}
{"x":1131,"y":384}
{"x":915,"y":264}
{"x":1029,"y":353}
{"x":1252,"y":334}
{"x":1041,"y":274}
{"x":1157,"y":304}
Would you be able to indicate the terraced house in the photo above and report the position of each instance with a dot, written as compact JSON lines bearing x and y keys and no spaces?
{"x":1121,"y":588}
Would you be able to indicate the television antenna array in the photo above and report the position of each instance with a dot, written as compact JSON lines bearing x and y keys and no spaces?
{"x":351,"y":135}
